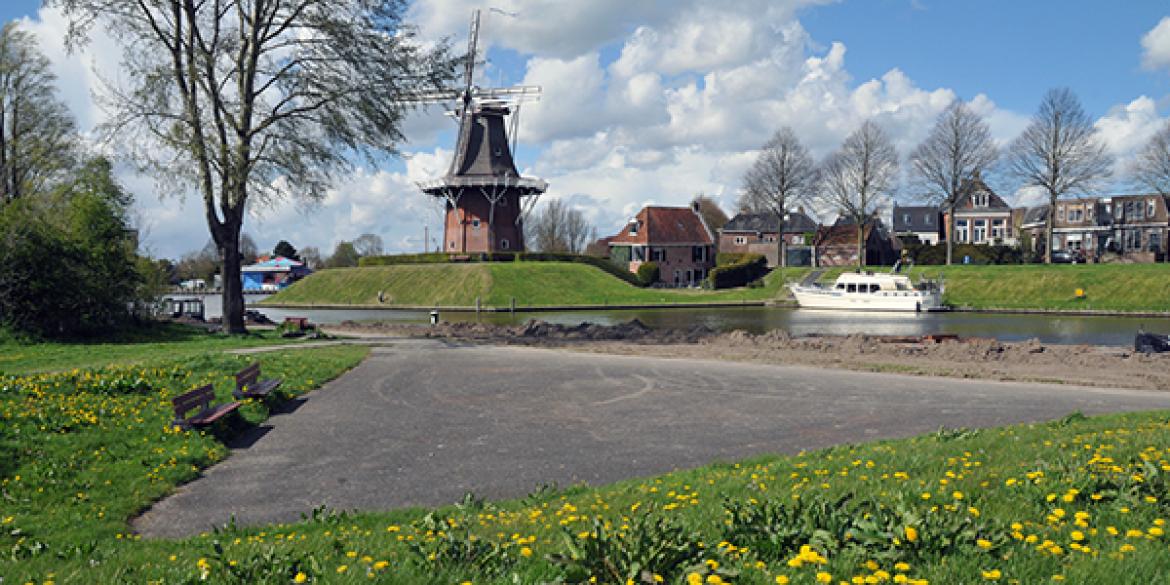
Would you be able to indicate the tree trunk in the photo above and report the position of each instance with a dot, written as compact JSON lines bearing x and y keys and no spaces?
{"x":233,"y":286}
{"x":1048,"y":223}
{"x":860,"y":245}
{"x":950,"y":234}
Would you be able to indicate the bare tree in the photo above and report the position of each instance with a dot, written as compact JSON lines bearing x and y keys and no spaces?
{"x":783,"y":175}
{"x":311,"y":256}
{"x":1059,"y":152}
{"x":958,"y":149}
{"x":249,"y":251}
{"x":37,"y":134}
{"x":858,"y":179}
{"x":253,"y":100}
{"x":560,"y":228}
{"x":712,"y":214}
{"x":368,"y":245}
{"x":1151,"y":167}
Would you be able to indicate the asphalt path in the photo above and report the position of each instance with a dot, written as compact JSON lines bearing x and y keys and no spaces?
{"x":421,"y":423}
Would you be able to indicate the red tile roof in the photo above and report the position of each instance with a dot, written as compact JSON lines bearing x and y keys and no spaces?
{"x":665,"y":225}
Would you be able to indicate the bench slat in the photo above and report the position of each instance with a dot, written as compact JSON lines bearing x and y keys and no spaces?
{"x":213,"y":414}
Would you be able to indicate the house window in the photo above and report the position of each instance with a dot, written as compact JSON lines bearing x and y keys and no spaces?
{"x":1089,"y":212}
{"x":698,"y":253}
{"x":906,"y":218}
{"x":926,"y":219}
{"x":961,"y":230}
{"x":997,"y":229}
{"x":980,"y":232}
{"x":1138,"y":210}
{"x":740,"y":240}
{"x":1129,"y":210}
{"x":638,"y":253}
{"x":658,"y":254}
{"x":1060,"y":213}
{"x":1151,"y":209}
{"x":504,"y":244}
{"x":452,"y":244}
{"x":633,"y":228}
{"x":475,"y":224}
{"x":1075,"y":215}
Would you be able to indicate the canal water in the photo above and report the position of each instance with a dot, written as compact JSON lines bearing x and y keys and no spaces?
{"x":1005,"y":327}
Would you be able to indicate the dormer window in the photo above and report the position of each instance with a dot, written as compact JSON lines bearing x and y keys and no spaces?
{"x":633,"y":228}
{"x":926,"y":219}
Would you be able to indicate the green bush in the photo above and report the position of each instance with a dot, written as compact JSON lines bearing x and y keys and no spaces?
{"x":729,"y":258}
{"x":751,"y":268}
{"x":648,"y":273}
{"x":928,"y":255}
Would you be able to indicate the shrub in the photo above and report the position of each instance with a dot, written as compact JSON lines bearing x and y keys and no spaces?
{"x":729,"y":258}
{"x":751,"y":268}
{"x":393,"y":259}
{"x":648,"y":273}
{"x":928,"y":255}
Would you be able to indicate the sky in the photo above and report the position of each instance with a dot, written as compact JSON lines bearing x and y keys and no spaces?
{"x":654,"y":101}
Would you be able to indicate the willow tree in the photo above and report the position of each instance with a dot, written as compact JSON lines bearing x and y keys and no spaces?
{"x":252,"y":101}
{"x":958,"y":149}
{"x":858,"y":179}
{"x":37,"y":138}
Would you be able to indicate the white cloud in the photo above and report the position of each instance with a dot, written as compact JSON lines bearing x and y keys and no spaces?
{"x":1156,"y":46}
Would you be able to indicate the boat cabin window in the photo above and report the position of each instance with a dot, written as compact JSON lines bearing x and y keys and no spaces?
{"x":840,"y":286}
{"x":851,"y":287}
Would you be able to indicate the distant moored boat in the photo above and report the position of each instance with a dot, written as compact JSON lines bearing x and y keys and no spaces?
{"x":869,"y":291}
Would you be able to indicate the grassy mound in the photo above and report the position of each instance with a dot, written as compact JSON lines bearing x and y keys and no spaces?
{"x":496,"y":284}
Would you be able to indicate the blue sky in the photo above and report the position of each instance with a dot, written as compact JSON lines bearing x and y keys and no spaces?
{"x":654,"y":101}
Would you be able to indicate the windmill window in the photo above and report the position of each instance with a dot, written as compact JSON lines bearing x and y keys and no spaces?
{"x":475,"y":223}
{"x":504,"y":244}
{"x":740,"y":240}
{"x":504,"y":202}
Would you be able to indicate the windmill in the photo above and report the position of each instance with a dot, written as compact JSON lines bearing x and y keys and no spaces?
{"x":485,"y":197}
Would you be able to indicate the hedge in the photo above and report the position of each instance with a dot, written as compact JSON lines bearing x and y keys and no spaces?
{"x":729,"y":258}
{"x":741,"y":273}
{"x":648,"y":273}
{"x":928,"y":255}
{"x":444,"y":258}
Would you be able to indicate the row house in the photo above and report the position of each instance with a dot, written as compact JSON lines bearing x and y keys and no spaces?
{"x":924,"y":223}
{"x":836,"y":245}
{"x":982,"y":217}
{"x":676,"y":238}
{"x":760,"y":233}
{"x":1133,"y":226}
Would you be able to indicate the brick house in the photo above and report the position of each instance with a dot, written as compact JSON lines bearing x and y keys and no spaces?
{"x":923,"y":222}
{"x":676,"y":238}
{"x":759,"y":233}
{"x":1080,"y":225}
{"x":1138,"y":226}
{"x":836,"y":245}
{"x":982,"y":217}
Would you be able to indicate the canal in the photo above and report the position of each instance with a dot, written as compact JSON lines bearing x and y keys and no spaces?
{"x":1058,"y":329}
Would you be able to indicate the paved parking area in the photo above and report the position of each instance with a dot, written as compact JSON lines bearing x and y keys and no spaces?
{"x":421,"y":423}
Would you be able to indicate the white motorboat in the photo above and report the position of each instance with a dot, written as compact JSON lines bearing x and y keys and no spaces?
{"x":869,"y":291}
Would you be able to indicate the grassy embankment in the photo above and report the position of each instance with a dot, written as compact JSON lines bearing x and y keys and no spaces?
{"x":1078,"y":501}
{"x":532,"y":284}
{"x":1108,"y":287}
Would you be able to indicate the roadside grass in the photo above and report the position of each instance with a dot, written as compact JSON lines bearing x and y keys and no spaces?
{"x":531,"y":284}
{"x":1079,"y":500}
{"x":157,"y":342}
{"x":84,"y":450}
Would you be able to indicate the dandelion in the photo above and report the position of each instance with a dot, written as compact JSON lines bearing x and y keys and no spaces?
{"x":992,"y":575}
{"x":983,"y":543}
{"x":300,"y":577}
{"x":824,"y":577}
{"x":911,"y":534}
{"x":782,"y":580}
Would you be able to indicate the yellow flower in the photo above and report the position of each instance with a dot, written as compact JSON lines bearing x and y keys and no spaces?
{"x":1077,"y":535}
{"x":715,"y":580}
{"x":525,"y":552}
{"x":781,"y":580}
{"x":983,"y":543}
{"x":1155,"y":531}
{"x":823,"y":577}
{"x":902,"y":567}
{"x":341,"y":569}
{"x":911,"y":534}
{"x":300,"y":578}
{"x":694,"y":579}
{"x":992,"y":575}
{"x":712,"y":564}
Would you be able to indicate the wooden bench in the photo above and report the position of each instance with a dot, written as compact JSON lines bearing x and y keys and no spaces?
{"x":200,"y":398}
{"x":249,"y":384}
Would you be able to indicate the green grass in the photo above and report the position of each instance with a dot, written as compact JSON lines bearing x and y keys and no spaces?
{"x":84,"y":450}
{"x":155,"y":343}
{"x":496,"y":284}
{"x":1108,"y":287}
{"x":1083,"y":499}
